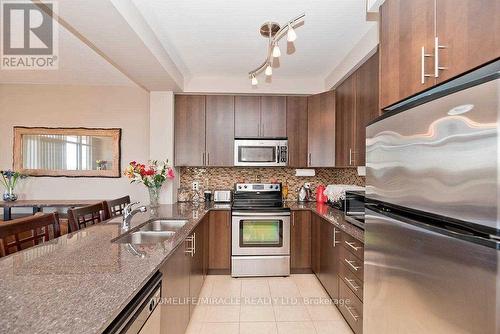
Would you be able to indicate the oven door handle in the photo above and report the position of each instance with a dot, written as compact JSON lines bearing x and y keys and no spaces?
{"x":260,"y":214}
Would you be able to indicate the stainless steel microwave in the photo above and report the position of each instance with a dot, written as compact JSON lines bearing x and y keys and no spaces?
{"x":261,"y":152}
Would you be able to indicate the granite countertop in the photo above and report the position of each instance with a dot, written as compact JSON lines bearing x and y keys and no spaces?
{"x":334,"y":216}
{"x":80,"y":282}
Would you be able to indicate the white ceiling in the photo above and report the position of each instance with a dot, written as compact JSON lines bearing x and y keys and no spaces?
{"x":210,"y":44}
{"x":221,"y":37}
{"x":78,"y":65}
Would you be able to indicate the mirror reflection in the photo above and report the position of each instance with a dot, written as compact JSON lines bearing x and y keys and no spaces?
{"x":76,"y":152}
{"x":66,"y":152}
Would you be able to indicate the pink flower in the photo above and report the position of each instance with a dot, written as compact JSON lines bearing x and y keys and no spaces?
{"x":170,"y":173}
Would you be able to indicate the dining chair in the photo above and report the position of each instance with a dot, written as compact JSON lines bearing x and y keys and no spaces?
{"x":115,"y":207}
{"x":22,"y":233}
{"x":85,"y":216}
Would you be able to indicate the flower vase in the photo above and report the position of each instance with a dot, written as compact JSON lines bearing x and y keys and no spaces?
{"x":154,"y":196}
{"x":9,"y":196}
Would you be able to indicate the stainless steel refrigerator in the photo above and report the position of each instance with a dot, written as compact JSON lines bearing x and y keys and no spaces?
{"x":432,"y":238}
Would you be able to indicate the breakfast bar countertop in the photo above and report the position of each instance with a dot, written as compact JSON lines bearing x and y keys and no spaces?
{"x":80,"y":282}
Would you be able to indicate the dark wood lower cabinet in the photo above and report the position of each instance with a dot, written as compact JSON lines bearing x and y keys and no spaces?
{"x":183,"y":277}
{"x":219,"y":242}
{"x":351,"y":308}
{"x":329,"y":255}
{"x":315,"y":243}
{"x":175,"y":290}
{"x":197,"y":272}
{"x":337,"y":261}
{"x":300,"y":242}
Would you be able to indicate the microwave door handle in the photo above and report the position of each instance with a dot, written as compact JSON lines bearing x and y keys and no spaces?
{"x":277,"y":154}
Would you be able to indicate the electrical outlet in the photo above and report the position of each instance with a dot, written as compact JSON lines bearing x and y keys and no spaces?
{"x":196,"y":185}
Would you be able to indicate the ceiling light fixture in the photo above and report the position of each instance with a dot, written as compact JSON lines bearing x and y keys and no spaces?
{"x":291,"y":36}
{"x":276,"y":51}
{"x":269,"y":70}
{"x":274,"y":32}
{"x":255,"y":82}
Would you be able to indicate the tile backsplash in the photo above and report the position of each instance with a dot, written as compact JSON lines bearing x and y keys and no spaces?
{"x":224,"y":178}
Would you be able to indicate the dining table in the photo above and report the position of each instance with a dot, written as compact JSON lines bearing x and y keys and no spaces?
{"x":37,"y":205}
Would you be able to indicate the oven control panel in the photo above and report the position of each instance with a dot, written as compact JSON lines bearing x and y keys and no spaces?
{"x":254,"y":187}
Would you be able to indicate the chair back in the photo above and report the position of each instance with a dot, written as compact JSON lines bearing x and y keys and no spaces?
{"x":85,"y":216}
{"x":26,"y":232}
{"x":115,"y":207}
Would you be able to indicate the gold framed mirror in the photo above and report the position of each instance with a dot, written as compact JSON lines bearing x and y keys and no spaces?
{"x":73,"y":152}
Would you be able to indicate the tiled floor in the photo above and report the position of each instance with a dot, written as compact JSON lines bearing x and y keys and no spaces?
{"x":295,"y":304}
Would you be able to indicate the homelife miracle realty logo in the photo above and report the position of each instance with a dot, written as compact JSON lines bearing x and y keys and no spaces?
{"x":29,"y":36}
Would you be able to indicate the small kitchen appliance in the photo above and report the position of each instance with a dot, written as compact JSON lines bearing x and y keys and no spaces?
{"x":320,"y":196}
{"x":261,"y":152}
{"x":354,"y":208}
{"x":222,"y":196}
{"x":304,"y":194}
{"x":260,"y":231}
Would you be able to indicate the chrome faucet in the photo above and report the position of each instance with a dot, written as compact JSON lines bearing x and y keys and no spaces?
{"x":128,"y":213}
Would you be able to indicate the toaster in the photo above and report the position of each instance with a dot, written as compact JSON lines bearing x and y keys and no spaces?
{"x":223,"y":196}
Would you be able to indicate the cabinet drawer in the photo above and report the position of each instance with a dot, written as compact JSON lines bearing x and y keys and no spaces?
{"x":353,"y":245}
{"x":352,"y":262}
{"x":351,"y":309}
{"x":353,"y":282}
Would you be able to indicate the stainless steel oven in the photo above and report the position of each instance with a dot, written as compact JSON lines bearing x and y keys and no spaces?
{"x":261,"y":152}
{"x":260,"y":243}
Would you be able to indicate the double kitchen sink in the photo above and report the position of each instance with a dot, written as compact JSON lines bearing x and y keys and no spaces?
{"x":153,"y":232}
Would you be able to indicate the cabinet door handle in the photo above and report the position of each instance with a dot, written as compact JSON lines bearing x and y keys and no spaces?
{"x":423,"y":56}
{"x":350,"y":281}
{"x":350,"y":263}
{"x":351,"y":244}
{"x":263,"y":132}
{"x":353,"y":315}
{"x":437,"y":68}
{"x":203,"y":158}
{"x":350,"y":156}
{"x":335,"y":242}
{"x":194,"y":244}
{"x":189,"y":250}
{"x":310,"y":159}
{"x":208,"y":158}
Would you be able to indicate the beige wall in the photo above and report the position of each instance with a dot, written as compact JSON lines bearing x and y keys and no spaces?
{"x":77,"y":106}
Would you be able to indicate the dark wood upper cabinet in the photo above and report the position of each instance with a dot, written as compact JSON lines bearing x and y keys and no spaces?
{"x":247,"y":116}
{"x":296,"y":130}
{"x":466,"y":36}
{"x":321,"y":130}
{"x":219,"y":130}
{"x":219,"y":241}
{"x":469,"y":32}
{"x":300,"y":241}
{"x":367,"y":106}
{"x":189,"y":123}
{"x":406,"y":27}
{"x":273,"y":116}
{"x":345,"y":115}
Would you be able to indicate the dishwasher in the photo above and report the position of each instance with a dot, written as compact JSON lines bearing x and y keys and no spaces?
{"x":137,"y":312}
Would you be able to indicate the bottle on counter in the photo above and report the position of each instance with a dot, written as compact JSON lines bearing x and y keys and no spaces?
{"x":284,"y":190}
